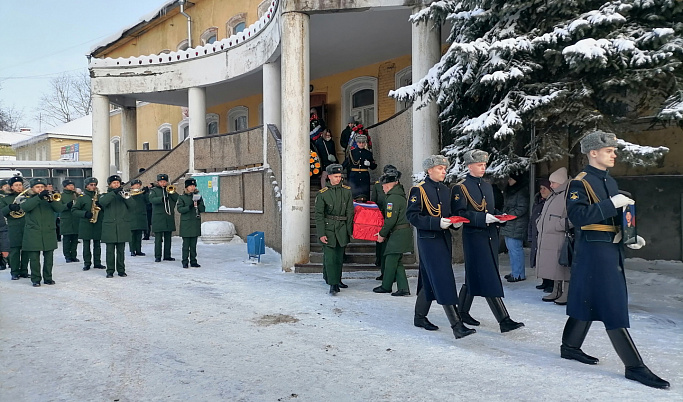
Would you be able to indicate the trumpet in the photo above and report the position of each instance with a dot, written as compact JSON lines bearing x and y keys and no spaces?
{"x":170,"y":189}
{"x":136,"y":191}
{"x":53,"y":196}
{"x":125,"y":194}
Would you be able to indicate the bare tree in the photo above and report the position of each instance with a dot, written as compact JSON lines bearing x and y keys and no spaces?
{"x":9,"y":118}
{"x":67,"y":99}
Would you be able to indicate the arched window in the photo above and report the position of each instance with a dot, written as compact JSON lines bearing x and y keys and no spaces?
{"x":115,"y":152}
{"x":236,"y":24}
{"x":183,"y":130}
{"x":238,"y":118}
{"x":164,"y":136}
{"x":211,"y":123}
{"x":263,"y":8}
{"x":359,"y":99}
{"x":209,"y":36}
{"x":183,"y":45}
{"x":403,"y":78}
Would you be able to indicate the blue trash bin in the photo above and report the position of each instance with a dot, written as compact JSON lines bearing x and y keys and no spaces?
{"x":256,"y":245}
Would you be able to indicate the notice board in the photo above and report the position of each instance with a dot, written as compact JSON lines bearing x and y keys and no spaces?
{"x":209,"y":188}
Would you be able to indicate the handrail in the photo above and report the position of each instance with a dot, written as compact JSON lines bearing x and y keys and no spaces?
{"x":272,"y":128}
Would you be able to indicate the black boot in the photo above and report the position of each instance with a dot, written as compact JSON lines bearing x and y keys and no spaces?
{"x":501,"y":314}
{"x":422,"y":306}
{"x":544,"y":284}
{"x":334,"y":289}
{"x":575,"y":332}
{"x":464,"y":303}
{"x":635,"y":368}
{"x":459,"y":329}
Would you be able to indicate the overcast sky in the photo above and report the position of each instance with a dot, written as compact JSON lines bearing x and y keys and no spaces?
{"x":43,"y":38}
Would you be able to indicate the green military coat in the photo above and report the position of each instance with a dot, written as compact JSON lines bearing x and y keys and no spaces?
{"x":396,"y":227}
{"x":15,"y":225}
{"x":161,"y":221}
{"x":68,"y":224}
{"x":190,"y":224}
{"x":87,"y":230}
{"x":40,"y":232}
{"x":377,"y":195}
{"x":138,"y":214}
{"x":332,"y":205}
{"x":115,"y":225}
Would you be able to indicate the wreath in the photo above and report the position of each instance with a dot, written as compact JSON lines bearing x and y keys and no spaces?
{"x":314,"y":161}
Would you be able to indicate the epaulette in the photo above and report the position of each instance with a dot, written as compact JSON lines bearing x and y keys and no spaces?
{"x":461,"y":181}
{"x":419,"y":184}
{"x":322,"y":190}
{"x":580,"y":176}
{"x":346,"y":187}
{"x":377,"y":182}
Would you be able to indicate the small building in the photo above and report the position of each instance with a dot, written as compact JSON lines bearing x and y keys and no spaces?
{"x":71,"y":141}
{"x":7,"y":139}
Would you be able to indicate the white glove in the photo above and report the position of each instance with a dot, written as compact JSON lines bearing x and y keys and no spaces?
{"x":445,"y":223}
{"x":640,"y":242}
{"x":196,"y":197}
{"x":332,"y":158}
{"x":617,"y":238}
{"x":492,"y":219}
{"x":621,"y":200}
{"x":366,"y":163}
{"x":457,"y":225}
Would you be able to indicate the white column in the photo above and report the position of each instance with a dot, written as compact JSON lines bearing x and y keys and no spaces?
{"x":296,"y":186}
{"x":100,"y":139}
{"x":426,"y":51}
{"x":129,"y":140}
{"x":272,"y":100}
{"x":197,"y":109}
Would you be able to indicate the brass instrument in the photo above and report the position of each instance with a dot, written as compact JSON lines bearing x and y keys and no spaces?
{"x":20,"y":199}
{"x":125,"y":194}
{"x":53,"y":196}
{"x":170,"y":189}
{"x":94,"y":209}
{"x":195,"y":198}
{"x":136,"y":191}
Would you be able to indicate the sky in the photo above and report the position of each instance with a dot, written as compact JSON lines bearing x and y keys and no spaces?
{"x":45,"y":38}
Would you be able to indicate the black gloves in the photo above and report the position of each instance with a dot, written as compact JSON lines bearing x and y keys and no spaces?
{"x":88,"y":214}
{"x":14,"y":207}
{"x":44,"y":194}
{"x":118,"y":190}
{"x":98,"y":204}
{"x":69,"y":205}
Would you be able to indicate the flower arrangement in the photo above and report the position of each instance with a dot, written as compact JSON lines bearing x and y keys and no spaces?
{"x":314,"y":161}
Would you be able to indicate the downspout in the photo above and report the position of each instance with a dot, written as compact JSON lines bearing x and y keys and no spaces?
{"x":189,"y":23}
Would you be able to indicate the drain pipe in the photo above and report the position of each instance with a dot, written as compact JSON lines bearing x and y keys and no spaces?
{"x":189,"y":23}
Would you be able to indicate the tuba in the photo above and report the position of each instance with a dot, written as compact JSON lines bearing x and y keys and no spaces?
{"x":94,"y":209}
{"x":20,"y":199}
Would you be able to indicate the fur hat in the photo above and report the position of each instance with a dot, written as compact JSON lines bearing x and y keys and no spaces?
{"x":475,"y":156}
{"x":67,"y":182}
{"x":596,"y":140}
{"x":91,"y":180}
{"x":190,"y":182}
{"x":559,"y":176}
{"x":136,"y":181}
{"x":38,"y":180}
{"x":334,"y":168}
{"x":434,"y":160}
{"x":15,"y":179}
{"x":162,"y":176}
{"x":361,"y":138}
{"x":390,"y":177}
{"x":114,"y":178}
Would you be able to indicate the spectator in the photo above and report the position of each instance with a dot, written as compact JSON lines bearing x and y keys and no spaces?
{"x":346,"y":134}
{"x":539,"y":200}
{"x":327,"y":152}
{"x":516,"y":202}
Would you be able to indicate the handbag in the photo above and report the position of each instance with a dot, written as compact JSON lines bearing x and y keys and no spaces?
{"x":567,"y":250}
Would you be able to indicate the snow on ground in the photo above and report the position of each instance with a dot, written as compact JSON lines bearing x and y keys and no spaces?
{"x":237,"y":331}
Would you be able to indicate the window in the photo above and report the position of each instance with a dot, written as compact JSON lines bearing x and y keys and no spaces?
{"x":239,"y":27}
{"x":209,"y":36}
{"x":359,"y":99}
{"x":44,"y":173}
{"x":75,"y":172}
{"x":236,"y":24}
{"x":183,"y":130}
{"x":263,"y":8}
{"x":164,"y":136}
{"x":183,"y":45}
{"x":403,"y":78}
{"x":238,"y":119}
{"x":211,"y":123}
{"x":145,"y":146}
{"x":115,"y":152}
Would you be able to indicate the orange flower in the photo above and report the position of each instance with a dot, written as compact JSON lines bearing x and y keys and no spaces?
{"x":310,"y":173}
{"x":311,"y":160}
{"x":313,"y":154}
{"x":315,"y":171}
{"x":317,"y":165}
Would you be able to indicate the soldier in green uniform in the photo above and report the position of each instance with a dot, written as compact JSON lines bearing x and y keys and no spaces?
{"x":163,"y":217}
{"x":138,"y":218}
{"x":115,"y":225}
{"x":378,"y":197}
{"x":90,"y":226}
{"x":68,"y":224}
{"x":396,"y":233}
{"x":18,"y":260}
{"x":334,"y":223}
{"x":190,"y":206}
{"x":4,"y":192}
{"x":40,"y":233}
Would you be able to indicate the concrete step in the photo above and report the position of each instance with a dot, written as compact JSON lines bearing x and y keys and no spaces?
{"x":368,"y":248}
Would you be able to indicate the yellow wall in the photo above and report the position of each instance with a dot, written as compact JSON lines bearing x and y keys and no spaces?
{"x":84,"y":148}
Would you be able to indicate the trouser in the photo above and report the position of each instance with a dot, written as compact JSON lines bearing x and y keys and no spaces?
{"x":115,"y":257}
{"x":18,"y":261}
{"x":69,"y":246}
{"x":333,"y":259}
{"x":135,"y":244}
{"x":34,"y":262}
{"x":516,"y":252}
{"x":393,"y":268}
{"x":379,"y":252}
{"x":96,"y":254}
{"x":165,"y":239}
{"x":189,"y":250}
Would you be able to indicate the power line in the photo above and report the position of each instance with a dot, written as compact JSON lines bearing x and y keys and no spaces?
{"x":40,"y":76}
{"x":44,"y":56}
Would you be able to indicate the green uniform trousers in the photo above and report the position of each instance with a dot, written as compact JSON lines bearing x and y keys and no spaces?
{"x":69,"y":246}
{"x":189,"y":250}
{"x":115,"y":257}
{"x":379,"y":252}
{"x":34,"y":262}
{"x":18,"y":261}
{"x":96,"y":252}
{"x":165,"y":239}
{"x":333,"y":259}
{"x":394,"y":269}
{"x":135,"y":244}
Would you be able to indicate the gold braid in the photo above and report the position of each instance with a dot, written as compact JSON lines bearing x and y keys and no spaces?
{"x":433,"y":211}
{"x":475,"y":205}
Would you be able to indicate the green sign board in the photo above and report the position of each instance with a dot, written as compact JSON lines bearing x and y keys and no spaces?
{"x":209,"y":189}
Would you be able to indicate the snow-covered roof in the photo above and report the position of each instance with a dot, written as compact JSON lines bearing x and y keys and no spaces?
{"x":12,"y":137}
{"x":81,"y":127}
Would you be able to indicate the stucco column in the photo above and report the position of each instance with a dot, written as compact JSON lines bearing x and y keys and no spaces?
{"x":100,"y":139}
{"x":296,"y":185}
{"x":426,"y":51}
{"x":197,"y":109}
{"x":272,"y":100}
{"x":129,"y":140}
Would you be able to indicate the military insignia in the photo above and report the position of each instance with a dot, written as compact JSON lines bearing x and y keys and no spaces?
{"x":390,"y":205}
{"x":574,"y":195}
{"x":389,"y":214}
{"x":413,"y":199}
{"x":346,"y":187}
{"x":457,"y":197}
{"x":322,"y":190}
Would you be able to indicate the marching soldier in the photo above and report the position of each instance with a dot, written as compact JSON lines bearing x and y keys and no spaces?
{"x":163,"y":217}
{"x":598,"y":285}
{"x":378,"y":197}
{"x":40,"y":233}
{"x":473,"y":199}
{"x":138,"y":218}
{"x":68,"y":224}
{"x":428,"y":209}
{"x":115,"y":226}
{"x":359,"y":161}
{"x":18,"y":260}
{"x":190,"y":206}
{"x":89,"y":212}
{"x":334,"y":224}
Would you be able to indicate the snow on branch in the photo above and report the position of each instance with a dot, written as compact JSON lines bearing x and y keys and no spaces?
{"x":640,"y":155}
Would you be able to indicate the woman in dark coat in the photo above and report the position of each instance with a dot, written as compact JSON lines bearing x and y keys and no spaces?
{"x":516,"y":202}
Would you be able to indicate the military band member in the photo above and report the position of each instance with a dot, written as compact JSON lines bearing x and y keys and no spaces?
{"x":89,"y":212}
{"x":473,"y":199}
{"x":40,"y":233}
{"x":358,"y":163}
{"x":4,"y":240}
{"x":115,"y":225}
{"x":163,"y":217}
{"x":598,"y":284}
{"x":334,"y":224}
{"x":18,"y":260}
{"x":428,"y":207}
{"x":190,"y":206}
{"x":138,"y":218}
{"x":378,"y":197}
{"x":397,"y":234}
{"x":68,"y":224}
{"x":5,"y":188}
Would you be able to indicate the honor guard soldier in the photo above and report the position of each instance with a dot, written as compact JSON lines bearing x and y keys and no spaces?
{"x":396,"y":233}
{"x":190,"y":206}
{"x":90,"y":214}
{"x":163,"y":199}
{"x":473,"y":199}
{"x":40,"y":233}
{"x":4,"y":191}
{"x":11,"y":209}
{"x":68,"y":224}
{"x":378,"y":197}
{"x":115,"y":225}
{"x":428,"y":209}
{"x":334,"y":224}
{"x":138,"y":216}
{"x":359,"y":161}
{"x":598,"y":284}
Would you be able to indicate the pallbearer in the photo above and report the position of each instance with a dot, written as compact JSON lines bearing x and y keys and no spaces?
{"x":89,"y":212}
{"x":190,"y":206}
{"x":163,"y":199}
{"x":138,"y":216}
{"x":115,"y":225}
{"x":11,"y":209}
{"x":68,"y":224}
